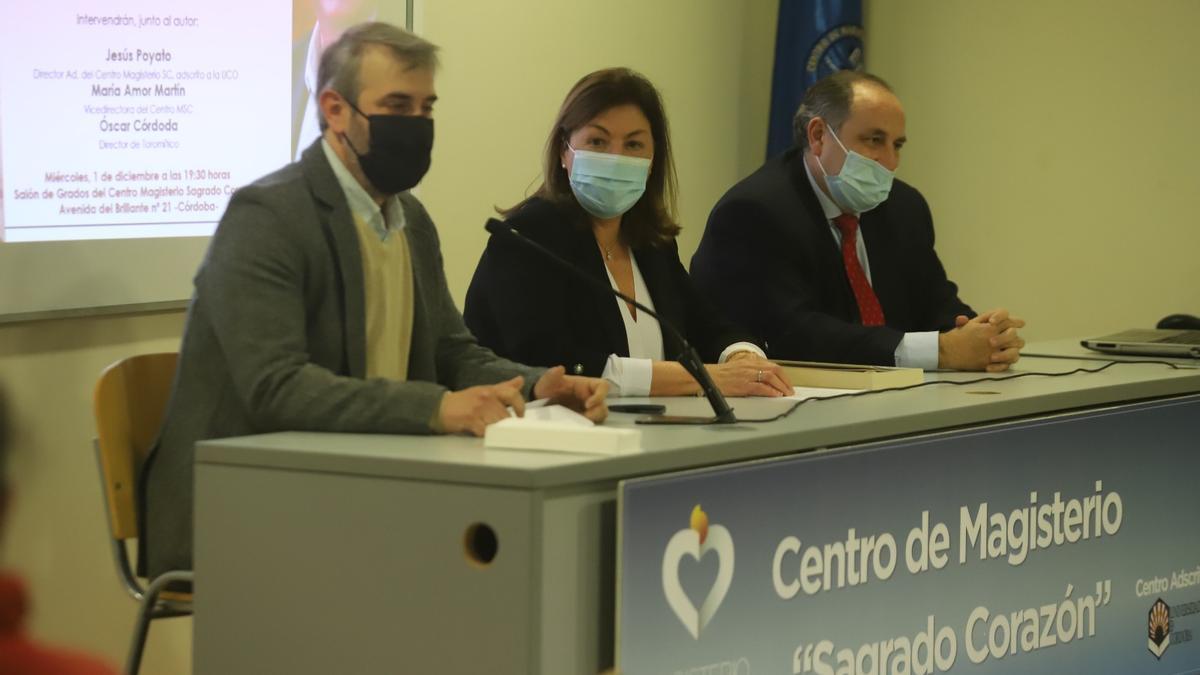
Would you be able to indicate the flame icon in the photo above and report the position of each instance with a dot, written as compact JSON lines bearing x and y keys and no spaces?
{"x":700,"y":523}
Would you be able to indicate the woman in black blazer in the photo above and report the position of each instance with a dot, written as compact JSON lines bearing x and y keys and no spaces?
{"x":606,"y":204}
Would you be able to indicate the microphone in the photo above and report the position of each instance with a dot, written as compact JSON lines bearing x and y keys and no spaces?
{"x":689,"y":359}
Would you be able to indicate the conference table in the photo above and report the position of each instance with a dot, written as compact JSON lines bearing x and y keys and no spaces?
{"x":349,"y":553}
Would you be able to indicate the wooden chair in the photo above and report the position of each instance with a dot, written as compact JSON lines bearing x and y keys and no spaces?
{"x":128,"y":403}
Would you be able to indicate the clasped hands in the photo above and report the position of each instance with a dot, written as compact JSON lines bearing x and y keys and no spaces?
{"x":988,"y":342}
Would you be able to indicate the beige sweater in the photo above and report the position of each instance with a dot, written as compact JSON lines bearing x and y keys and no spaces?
{"x":388,"y":286}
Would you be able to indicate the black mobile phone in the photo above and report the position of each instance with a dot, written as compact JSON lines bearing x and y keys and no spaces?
{"x":638,"y":408}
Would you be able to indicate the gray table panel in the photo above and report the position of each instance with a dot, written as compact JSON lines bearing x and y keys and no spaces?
{"x":814,"y":424}
{"x":320,"y":553}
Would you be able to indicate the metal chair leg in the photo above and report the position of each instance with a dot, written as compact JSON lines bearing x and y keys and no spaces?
{"x":146,"y":613}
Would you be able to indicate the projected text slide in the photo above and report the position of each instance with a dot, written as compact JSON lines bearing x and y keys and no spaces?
{"x":135,"y":118}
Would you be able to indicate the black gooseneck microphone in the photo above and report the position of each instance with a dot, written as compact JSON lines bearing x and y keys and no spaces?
{"x":689,"y":359}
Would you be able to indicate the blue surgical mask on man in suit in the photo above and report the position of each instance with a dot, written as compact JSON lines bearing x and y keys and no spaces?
{"x":607,"y":185}
{"x":861,"y":185}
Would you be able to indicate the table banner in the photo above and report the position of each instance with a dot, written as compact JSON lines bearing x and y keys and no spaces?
{"x":1064,"y":544}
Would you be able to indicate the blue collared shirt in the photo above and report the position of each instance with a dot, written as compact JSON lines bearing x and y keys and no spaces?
{"x":384,"y":221}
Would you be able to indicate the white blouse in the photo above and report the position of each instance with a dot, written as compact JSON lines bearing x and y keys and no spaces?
{"x":631,"y":375}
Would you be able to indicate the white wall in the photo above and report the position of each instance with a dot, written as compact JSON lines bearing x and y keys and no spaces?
{"x":1055,"y":144}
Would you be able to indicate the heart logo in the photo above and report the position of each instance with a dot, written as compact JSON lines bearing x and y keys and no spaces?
{"x":697,"y":541}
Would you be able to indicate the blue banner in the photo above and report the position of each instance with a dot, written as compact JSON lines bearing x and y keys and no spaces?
{"x":1062,"y":545}
{"x":815,"y":38}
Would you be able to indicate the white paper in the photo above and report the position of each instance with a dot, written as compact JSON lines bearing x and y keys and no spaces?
{"x":564,"y":434}
{"x":542,"y":410}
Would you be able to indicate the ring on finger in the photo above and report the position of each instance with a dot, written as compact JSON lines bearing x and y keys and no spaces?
{"x":758,"y":378}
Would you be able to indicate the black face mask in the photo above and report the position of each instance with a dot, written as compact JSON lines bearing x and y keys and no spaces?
{"x":399,"y":153}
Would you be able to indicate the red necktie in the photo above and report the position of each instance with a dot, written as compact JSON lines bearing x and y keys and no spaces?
{"x":868,"y":305}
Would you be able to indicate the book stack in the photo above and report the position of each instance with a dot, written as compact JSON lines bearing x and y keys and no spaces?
{"x":849,"y":376}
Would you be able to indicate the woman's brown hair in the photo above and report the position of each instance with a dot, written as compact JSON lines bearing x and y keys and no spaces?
{"x":651,"y":221}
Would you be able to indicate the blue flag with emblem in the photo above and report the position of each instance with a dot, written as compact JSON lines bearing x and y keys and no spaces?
{"x":815,"y":38}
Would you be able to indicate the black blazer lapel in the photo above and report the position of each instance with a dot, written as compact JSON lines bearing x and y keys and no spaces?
{"x":887,"y":279}
{"x":815,"y":231}
{"x":656,"y":272}
{"x":422,"y":358}
{"x":813,"y":226}
{"x":334,"y":213}
{"x":586,"y":256}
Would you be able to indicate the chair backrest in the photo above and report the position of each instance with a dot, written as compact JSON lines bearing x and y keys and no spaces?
{"x":128,"y":403}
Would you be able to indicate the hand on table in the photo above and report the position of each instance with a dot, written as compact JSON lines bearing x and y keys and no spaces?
{"x":584,"y":395}
{"x":748,"y":374}
{"x":472,"y":409}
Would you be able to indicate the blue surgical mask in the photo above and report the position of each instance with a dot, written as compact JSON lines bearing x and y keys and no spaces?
{"x":607,"y":185}
{"x":861,"y":185}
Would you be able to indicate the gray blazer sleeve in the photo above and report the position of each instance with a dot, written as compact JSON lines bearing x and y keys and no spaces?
{"x":461,"y":361}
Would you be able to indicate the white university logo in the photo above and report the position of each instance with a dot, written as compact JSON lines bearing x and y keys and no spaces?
{"x":697,"y":541}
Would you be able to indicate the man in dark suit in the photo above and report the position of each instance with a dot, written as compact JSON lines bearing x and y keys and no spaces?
{"x":824,"y":256}
{"x":322,"y":303}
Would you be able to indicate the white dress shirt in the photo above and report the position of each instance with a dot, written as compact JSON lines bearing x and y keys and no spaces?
{"x":916,"y":350}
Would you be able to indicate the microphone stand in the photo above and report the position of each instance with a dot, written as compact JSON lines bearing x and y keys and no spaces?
{"x":689,"y":359}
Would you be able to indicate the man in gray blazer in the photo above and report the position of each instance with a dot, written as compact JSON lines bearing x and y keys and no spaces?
{"x":322,"y":303}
